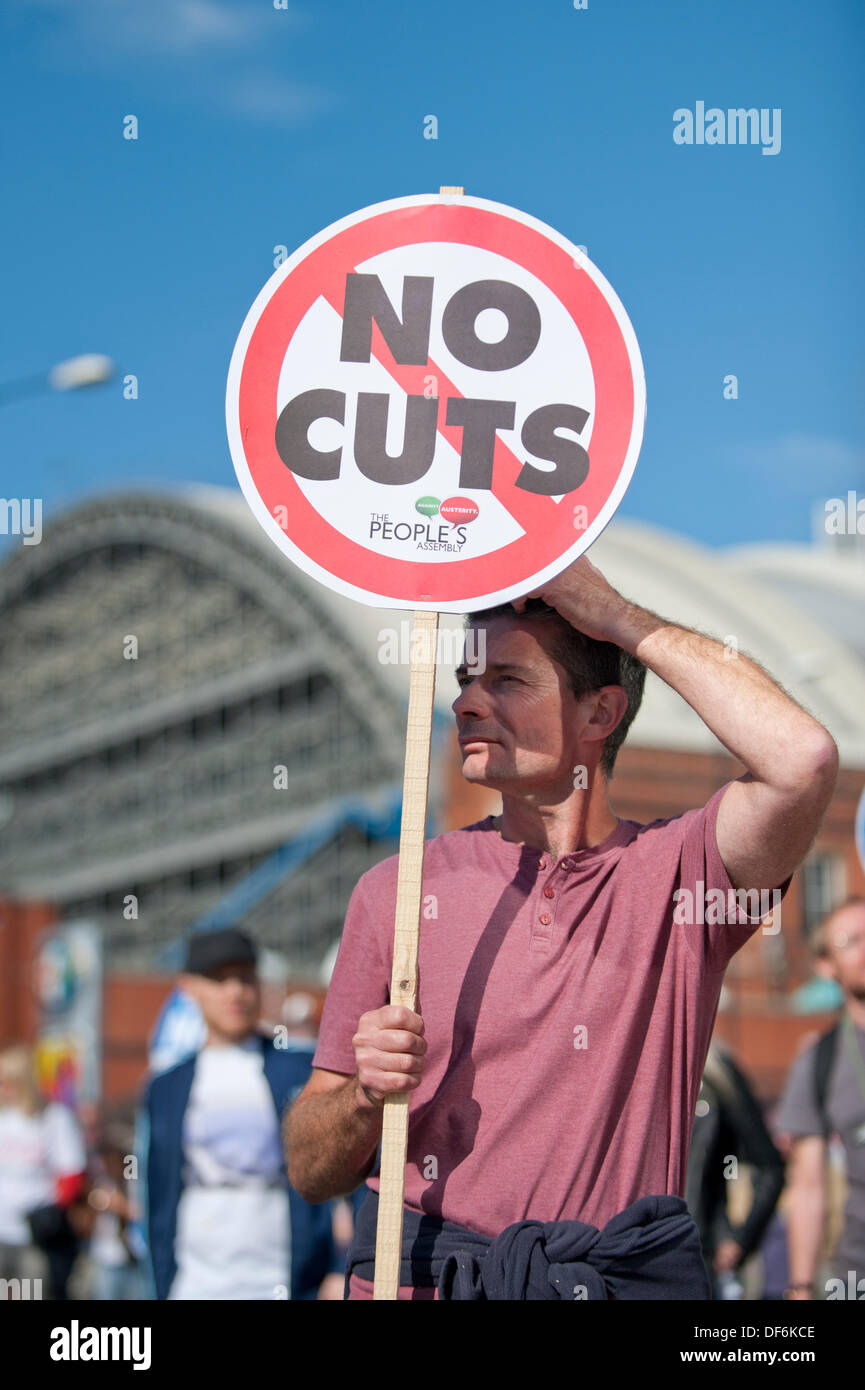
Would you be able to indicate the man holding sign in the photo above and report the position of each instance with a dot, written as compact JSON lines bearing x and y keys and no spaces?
{"x":437,"y":403}
{"x":568,"y":984}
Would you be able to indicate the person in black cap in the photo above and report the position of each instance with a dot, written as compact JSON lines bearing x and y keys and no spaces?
{"x":220,"y":1219}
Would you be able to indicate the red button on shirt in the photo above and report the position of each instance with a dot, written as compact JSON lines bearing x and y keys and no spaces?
{"x":549,"y":893}
{"x":545,"y":918}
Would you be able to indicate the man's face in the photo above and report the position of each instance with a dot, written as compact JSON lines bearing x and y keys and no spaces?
{"x":519,"y":724}
{"x":845,"y":940}
{"x":229,"y":998}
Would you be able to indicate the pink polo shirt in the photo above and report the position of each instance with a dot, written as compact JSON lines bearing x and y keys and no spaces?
{"x":567,"y":1016}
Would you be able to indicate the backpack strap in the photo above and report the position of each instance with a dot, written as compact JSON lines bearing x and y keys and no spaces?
{"x":823,"y":1060}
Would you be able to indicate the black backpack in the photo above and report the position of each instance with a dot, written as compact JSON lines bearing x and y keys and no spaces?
{"x":827,"y":1047}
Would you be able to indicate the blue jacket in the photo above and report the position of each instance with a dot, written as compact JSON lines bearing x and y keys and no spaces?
{"x":160,"y":1165}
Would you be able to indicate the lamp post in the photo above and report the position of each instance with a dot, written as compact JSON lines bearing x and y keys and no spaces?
{"x":89,"y":369}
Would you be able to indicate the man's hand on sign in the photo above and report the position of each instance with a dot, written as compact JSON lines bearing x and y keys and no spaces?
{"x":584,"y":598}
{"x":389,"y":1050}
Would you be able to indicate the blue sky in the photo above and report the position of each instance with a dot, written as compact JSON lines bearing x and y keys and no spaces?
{"x":258,"y":127}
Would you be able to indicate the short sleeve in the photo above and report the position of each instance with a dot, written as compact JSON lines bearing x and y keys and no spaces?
{"x":798,"y":1114}
{"x":719,"y":917}
{"x":360,"y":982}
{"x":64,"y":1143}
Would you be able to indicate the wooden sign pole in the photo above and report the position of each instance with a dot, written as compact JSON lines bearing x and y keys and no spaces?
{"x":403,"y":984}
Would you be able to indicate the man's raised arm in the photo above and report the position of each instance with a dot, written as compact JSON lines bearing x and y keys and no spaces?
{"x":768,"y":818}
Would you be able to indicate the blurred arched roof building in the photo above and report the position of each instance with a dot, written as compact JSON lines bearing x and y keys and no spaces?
{"x":255,"y":724}
{"x":176,"y":702}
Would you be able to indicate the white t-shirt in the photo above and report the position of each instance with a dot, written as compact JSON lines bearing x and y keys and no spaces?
{"x":35,"y":1150}
{"x":106,"y":1246}
{"x":232,"y":1238}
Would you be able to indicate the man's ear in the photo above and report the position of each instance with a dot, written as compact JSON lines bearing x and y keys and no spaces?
{"x":611,"y":704}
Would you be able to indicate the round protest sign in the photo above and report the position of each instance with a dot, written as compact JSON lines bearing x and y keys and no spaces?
{"x":435,"y":403}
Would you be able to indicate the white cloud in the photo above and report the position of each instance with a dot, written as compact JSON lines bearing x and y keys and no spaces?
{"x":163,"y":28}
{"x":811,"y":459}
{"x":275,"y":99}
{"x":226,"y":54}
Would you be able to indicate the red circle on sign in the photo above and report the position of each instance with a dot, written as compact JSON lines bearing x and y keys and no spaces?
{"x":459,"y":510}
{"x":549,"y":540}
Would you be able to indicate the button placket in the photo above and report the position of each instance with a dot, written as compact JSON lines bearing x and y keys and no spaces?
{"x":544,"y":911}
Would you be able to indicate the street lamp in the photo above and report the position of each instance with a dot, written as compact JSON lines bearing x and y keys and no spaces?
{"x":89,"y":369}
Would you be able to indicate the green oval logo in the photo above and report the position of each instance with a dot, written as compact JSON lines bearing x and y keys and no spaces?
{"x":427,"y":506}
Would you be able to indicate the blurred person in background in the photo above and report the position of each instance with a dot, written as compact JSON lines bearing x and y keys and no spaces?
{"x":42,"y":1173}
{"x":299,"y":1015}
{"x":728,"y":1125}
{"x":108,"y":1220}
{"x":824,"y":1096}
{"x":220,"y":1218}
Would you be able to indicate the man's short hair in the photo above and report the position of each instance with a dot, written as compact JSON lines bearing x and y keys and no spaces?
{"x":589,"y":665}
{"x":818,"y":938}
